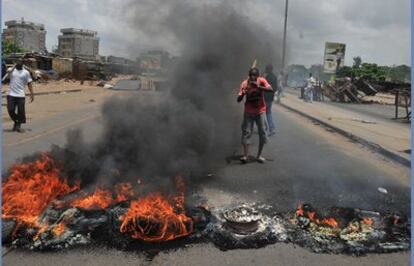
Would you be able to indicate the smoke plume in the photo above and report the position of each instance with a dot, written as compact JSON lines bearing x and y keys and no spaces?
{"x":193,"y":126}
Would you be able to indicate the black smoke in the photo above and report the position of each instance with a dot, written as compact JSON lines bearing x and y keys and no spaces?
{"x":192,"y":127}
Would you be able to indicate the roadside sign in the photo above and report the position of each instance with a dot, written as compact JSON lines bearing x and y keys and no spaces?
{"x":334,"y":57}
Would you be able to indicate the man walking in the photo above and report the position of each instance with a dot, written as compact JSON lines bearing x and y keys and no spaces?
{"x":19,"y":78}
{"x":254,"y":111}
{"x":269,"y":97}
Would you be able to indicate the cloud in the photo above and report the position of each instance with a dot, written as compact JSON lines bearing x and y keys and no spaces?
{"x":377,"y":30}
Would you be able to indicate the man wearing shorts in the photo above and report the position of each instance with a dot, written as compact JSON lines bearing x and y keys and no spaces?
{"x":254,"y":111}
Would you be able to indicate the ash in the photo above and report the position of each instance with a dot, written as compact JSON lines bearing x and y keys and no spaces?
{"x":355,"y":237}
{"x":270,"y":228}
{"x":88,"y":227}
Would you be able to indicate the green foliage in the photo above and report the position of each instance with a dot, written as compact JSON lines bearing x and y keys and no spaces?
{"x":345,"y":71}
{"x":10,"y":47}
{"x":370,"y":72}
{"x":398,"y":73}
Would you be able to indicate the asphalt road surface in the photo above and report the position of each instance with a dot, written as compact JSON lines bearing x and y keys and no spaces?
{"x":306,"y":164}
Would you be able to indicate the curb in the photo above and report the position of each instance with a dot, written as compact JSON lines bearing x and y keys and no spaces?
{"x":371,"y":145}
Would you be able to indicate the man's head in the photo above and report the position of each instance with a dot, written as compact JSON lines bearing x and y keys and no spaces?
{"x":269,"y":68}
{"x":254,"y":73}
{"x":19,"y":64}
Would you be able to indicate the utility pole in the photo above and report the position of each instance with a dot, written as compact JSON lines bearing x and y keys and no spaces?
{"x":284,"y":36}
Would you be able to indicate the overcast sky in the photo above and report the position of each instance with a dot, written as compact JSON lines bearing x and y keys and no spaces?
{"x":377,"y":30}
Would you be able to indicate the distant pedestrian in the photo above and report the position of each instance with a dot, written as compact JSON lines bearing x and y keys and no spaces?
{"x":19,"y":78}
{"x":280,"y":86}
{"x":310,"y":83}
{"x":269,"y":97}
{"x":254,"y":111}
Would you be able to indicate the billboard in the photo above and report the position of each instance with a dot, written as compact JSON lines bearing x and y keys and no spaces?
{"x":150,"y":62}
{"x":334,"y":57}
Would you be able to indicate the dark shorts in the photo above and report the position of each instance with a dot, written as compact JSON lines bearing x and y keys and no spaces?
{"x":248,"y":125}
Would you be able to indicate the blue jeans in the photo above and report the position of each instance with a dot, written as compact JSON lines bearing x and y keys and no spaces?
{"x":269,"y":117}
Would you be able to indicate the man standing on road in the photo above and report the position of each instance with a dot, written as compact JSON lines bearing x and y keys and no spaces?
{"x":254,"y":111}
{"x":310,"y":83}
{"x":19,"y":78}
{"x":269,"y":97}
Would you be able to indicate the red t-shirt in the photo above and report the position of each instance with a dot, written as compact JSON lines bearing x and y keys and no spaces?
{"x":255,"y":103}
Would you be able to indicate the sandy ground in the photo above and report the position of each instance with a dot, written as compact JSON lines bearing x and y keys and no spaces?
{"x":51,"y":104}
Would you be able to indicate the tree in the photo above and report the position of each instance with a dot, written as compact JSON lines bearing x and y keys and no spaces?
{"x":297,"y":74}
{"x":368,"y":71}
{"x":345,"y":71}
{"x":371,"y":72}
{"x":10,"y":47}
{"x":400,"y":73}
{"x":357,"y":62}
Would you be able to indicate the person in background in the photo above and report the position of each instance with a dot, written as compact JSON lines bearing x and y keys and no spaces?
{"x":254,"y":111}
{"x":280,"y":86}
{"x":19,"y":78}
{"x":310,"y":83}
{"x":269,"y":97}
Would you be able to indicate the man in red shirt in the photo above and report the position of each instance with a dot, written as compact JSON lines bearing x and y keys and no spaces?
{"x":254,"y":111}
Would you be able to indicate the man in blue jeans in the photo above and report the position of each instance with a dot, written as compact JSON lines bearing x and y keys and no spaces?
{"x":269,"y":96}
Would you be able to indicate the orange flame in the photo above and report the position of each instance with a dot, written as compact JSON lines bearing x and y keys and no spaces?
{"x":100,"y":199}
{"x":367,"y":221}
{"x":155,"y":218}
{"x":30,"y":188}
{"x":299,"y":211}
{"x":59,"y":229}
{"x":313,"y":217}
{"x":330,"y":221}
{"x":123,"y":192}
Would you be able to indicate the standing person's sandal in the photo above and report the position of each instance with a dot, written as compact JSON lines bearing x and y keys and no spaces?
{"x":243,"y":159}
{"x":261,"y":159}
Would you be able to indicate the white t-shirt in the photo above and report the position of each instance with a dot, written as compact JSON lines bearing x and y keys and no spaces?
{"x":18,"y":81}
{"x":310,"y":82}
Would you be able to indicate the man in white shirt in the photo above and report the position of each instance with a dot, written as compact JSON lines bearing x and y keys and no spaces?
{"x":310,"y":83}
{"x":19,"y":78}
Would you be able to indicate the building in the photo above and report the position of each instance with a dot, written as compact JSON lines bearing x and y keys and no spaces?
{"x":31,"y":36}
{"x":78,"y":43}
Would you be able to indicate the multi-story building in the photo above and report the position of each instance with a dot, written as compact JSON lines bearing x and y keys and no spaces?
{"x":78,"y":43}
{"x":30,"y":36}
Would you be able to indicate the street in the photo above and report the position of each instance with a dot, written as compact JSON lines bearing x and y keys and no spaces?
{"x":306,"y":164}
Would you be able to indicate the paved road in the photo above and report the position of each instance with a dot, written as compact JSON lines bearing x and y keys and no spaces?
{"x":308,"y":164}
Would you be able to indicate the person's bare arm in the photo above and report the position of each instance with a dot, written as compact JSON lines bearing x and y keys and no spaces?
{"x":30,"y":85}
{"x":243,"y":92}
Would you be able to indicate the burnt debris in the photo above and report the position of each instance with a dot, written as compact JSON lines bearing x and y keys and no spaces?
{"x":334,"y":230}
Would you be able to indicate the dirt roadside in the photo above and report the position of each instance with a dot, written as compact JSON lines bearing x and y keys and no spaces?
{"x":62,"y":98}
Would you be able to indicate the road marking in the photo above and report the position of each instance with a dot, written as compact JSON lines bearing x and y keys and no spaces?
{"x":50,"y":131}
